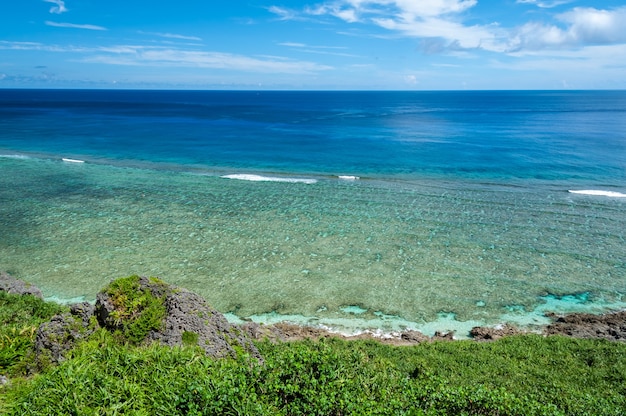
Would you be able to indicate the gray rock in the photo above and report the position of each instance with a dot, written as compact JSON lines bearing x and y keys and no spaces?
{"x":14,"y":286}
{"x":84,"y":311}
{"x":58,"y":336}
{"x":188,"y":320}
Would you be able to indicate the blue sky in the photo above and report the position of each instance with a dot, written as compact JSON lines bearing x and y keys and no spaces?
{"x":334,"y":44}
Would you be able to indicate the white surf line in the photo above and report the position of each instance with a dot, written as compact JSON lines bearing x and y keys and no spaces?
{"x":596,"y":192}
{"x":259,"y":178}
{"x":68,"y":160}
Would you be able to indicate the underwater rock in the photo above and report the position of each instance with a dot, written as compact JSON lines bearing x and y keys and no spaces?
{"x":14,"y":286}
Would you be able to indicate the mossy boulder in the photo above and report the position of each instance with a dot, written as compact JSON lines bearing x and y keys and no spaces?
{"x":142,"y":310}
{"x":54,"y":339}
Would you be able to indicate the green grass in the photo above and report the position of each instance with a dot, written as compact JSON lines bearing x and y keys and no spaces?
{"x":521,"y":375}
{"x":19,"y":318}
{"x":107,"y":375}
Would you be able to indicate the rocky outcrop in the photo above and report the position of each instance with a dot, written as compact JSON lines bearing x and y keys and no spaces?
{"x":485,"y":333}
{"x":611,"y":326}
{"x":186,"y":318}
{"x":54,"y":339}
{"x":14,"y":286}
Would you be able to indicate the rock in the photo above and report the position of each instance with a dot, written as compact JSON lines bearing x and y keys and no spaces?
{"x":413,"y":337}
{"x":186,"y":318}
{"x":84,"y":311}
{"x":286,"y":332}
{"x":14,"y":286}
{"x":443,"y":336}
{"x":483,"y":333}
{"x":611,"y":326}
{"x":58,"y":336}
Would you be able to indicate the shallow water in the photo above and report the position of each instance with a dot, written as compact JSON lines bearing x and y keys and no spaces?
{"x":407,"y":251}
{"x":384,"y":211}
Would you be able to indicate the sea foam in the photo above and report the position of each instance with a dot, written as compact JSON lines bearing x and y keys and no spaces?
{"x":14,"y":156}
{"x":69,"y":160}
{"x":596,"y":192}
{"x":259,"y":178}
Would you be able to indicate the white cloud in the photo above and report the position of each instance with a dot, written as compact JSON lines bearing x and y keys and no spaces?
{"x":441,"y":26}
{"x":593,"y":26}
{"x":26,"y":46}
{"x":545,"y":4}
{"x":160,"y":56}
{"x":171,"y":36}
{"x":283,"y":13}
{"x":401,"y":10}
{"x":74,"y":26}
{"x":348,"y":14}
{"x":202,"y":59}
{"x":319,"y":49}
{"x":410,"y":79}
{"x":580,"y":27}
{"x":293,"y":44}
{"x":419,"y":19}
{"x":59,"y":8}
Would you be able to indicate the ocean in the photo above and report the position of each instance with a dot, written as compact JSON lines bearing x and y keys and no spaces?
{"x":380,"y":211}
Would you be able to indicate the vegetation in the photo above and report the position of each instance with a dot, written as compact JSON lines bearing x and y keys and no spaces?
{"x":520,"y":375}
{"x":19,"y":318}
{"x":136,"y":311}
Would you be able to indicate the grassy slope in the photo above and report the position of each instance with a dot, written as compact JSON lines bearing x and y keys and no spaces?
{"x":521,"y":375}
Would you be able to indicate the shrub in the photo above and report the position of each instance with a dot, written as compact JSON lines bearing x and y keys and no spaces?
{"x":137,"y":310}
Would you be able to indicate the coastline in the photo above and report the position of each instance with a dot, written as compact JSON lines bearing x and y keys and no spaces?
{"x":176,"y":354}
{"x":610,"y":325}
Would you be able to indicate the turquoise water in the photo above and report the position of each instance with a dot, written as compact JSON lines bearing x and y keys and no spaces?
{"x":351,"y":248}
{"x":406,"y":249}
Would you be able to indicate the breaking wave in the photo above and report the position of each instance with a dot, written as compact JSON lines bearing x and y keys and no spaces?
{"x":259,"y":178}
{"x":596,"y":192}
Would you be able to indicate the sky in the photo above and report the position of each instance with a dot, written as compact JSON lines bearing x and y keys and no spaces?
{"x":314,"y":45}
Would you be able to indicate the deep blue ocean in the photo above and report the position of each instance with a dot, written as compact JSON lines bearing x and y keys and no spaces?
{"x":355,"y":210}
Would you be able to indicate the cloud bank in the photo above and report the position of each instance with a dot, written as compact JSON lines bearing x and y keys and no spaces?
{"x":441,"y":24}
{"x":579,"y":27}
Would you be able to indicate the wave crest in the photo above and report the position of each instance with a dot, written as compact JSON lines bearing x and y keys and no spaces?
{"x":597,"y":192}
{"x":260,"y":178}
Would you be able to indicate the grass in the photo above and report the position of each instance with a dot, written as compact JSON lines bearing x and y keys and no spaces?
{"x":19,"y":318}
{"x":519,"y":375}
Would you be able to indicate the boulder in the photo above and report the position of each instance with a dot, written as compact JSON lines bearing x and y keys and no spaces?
{"x":146,"y":310}
{"x":58,"y":336}
{"x":14,"y":286}
{"x":485,"y":333}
